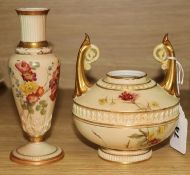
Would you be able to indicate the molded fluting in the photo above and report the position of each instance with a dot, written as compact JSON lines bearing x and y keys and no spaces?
{"x":124,"y":157}
{"x":33,"y":24}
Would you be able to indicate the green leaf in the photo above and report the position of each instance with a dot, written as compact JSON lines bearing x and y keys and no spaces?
{"x":49,"y":68}
{"x":136,"y":136}
{"x":31,"y":111}
{"x":43,"y":112}
{"x":24,"y":106}
{"x":143,"y":132}
{"x":42,"y":102}
{"x":38,"y":107}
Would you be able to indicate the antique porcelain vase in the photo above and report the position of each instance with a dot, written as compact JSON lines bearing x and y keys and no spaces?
{"x":125,"y":112}
{"x":34,"y":72}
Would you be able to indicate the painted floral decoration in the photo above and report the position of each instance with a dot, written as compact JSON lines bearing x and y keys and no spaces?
{"x":53,"y":84}
{"x":128,"y":96}
{"x":148,"y":136}
{"x":25,"y":69}
{"x":29,"y":91}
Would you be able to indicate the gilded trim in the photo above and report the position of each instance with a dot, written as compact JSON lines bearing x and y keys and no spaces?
{"x":33,"y":44}
{"x":36,"y":139}
{"x":112,"y":86}
{"x":32,"y":11}
{"x":86,"y":52}
{"x":94,"y":123}
{"x":124,"y":112}
{"x":42,"y":162}
{"x":126,"y":118}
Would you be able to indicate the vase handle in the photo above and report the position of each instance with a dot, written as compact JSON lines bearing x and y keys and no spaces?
{"x":164,"y":53}
{"x":88,"y":53}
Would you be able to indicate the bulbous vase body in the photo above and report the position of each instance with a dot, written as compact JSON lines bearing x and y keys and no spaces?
{"x":125,"y":112}
{"x":34,"y":72}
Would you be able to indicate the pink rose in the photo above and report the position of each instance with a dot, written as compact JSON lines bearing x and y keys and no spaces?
{"x":29,"y":76}
{"x":23,"y":66}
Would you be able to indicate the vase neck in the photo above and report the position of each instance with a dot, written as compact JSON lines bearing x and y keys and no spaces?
{"x":127,"y":77}
{"x":33,"y":27}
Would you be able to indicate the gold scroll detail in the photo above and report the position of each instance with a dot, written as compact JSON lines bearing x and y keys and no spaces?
{"x":87,"y":54}
{"x":170,"y":80}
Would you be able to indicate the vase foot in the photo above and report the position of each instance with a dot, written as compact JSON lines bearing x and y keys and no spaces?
{"x":37,"y":153}
{"x":124,"y":157}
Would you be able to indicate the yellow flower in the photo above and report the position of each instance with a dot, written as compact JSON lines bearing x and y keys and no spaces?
{"x":103,"y":101}
{"x":28,"y":88}
{"x":154,"y":104}
{"x":161,"y":130}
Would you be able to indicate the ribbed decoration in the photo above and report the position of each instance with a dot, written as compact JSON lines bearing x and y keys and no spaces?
{"x":33,"y":28}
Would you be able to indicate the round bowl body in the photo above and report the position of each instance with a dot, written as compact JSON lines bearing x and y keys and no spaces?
{"x":126,"y":111}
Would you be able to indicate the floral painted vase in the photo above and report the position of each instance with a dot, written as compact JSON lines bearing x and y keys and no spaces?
{"x":125,"y":112}
{"x":34,"y":72}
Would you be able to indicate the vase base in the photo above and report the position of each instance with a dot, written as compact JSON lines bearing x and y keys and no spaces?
{"x":124,"y":157}
{"x":37,"y":153}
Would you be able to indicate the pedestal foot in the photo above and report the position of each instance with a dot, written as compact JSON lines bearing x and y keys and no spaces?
{"x":124,"y":157}
{"x":37,"y":153}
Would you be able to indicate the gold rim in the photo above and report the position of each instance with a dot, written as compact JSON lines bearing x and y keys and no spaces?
{"x":107,"y":125}
{"x":42,"y":162}
{"x":33,"y":44}
{"x":125,"y":78}
{"x":32,"y":11}
{"x":125,"y":112}
{"x":125,"y":88}
{"x":36,"y":139}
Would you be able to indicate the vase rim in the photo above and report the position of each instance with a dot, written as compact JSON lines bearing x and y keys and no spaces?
{"x":32,"y":11}
{"x":129,"y":74}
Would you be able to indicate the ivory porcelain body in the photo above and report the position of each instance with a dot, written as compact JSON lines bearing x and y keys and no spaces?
{"x":34,"y":72}
{"x":125,"y":112}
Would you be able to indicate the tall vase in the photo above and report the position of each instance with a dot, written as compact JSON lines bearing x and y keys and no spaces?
{"x":34,"y":72}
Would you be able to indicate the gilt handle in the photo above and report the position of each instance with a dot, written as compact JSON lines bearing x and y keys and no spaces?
{"x":164,"y":53}
{"x":88,"y":53}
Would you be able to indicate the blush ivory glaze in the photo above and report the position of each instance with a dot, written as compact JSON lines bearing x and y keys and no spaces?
{"x":125,"y":112}
{"x":34,"y":72}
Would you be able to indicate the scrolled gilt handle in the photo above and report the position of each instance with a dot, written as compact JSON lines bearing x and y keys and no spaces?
{"x":88,"y":53}
{"x":91,"y":55}
{"x":160,"y":54}
{"x":163,"y":53}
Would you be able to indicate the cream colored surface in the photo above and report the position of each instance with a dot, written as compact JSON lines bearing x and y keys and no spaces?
{"x":35,"y":125}
{"x":126,"y":31}
{"x":80,"y":155}
{"x":116,"y":156}
{"x":156,"y":94}
{"x":37,"y":28}
{"x":99,"y":110}
{"x":34,"y":78}
{"x":36,"y":152}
